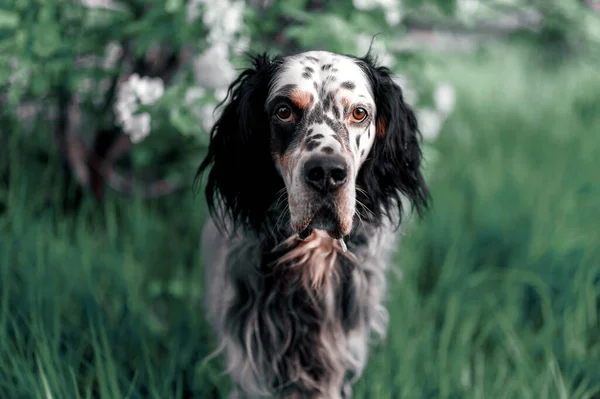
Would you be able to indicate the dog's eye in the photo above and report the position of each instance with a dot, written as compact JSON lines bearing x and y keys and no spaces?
{"x":284,"y":113}
{"x":359,"y":114}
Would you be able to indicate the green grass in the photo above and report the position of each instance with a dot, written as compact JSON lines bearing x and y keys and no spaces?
{"x":500,"y":293}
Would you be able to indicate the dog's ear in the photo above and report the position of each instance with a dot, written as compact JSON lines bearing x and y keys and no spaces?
{"x":243,"y":181}
{"x":394,"y":164}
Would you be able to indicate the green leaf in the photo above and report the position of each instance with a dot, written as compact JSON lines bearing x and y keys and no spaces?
{"x":447,"y":7}
{"x":8,"y":20}
{"x":185,"y":122}
{"x":5,"y":72}
{"x":292,"y":7}
{"x":39,"y":84}
{"x":22,"y":5}
{"x":141,"y":156}
{"x":46,"y":39}
{"x":7,"y":45}
{"x":21,"y":39}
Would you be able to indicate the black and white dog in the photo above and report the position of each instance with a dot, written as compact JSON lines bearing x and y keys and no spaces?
{"x":307,"y":166}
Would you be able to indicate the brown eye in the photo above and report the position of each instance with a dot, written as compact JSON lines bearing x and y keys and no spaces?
{"x":359,"y":114}
{"x":284,"y":114}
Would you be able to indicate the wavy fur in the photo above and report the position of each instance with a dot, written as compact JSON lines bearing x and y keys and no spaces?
{"x":295,"y":318}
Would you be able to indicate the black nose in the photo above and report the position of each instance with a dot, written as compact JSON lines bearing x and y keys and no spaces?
{"x":326,"y":173}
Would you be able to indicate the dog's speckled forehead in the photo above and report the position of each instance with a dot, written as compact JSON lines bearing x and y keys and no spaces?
{"x":313,"y":76}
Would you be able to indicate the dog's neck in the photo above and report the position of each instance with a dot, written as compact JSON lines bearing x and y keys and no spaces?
{"x":309,"y":283}
{"x":315,"y":258}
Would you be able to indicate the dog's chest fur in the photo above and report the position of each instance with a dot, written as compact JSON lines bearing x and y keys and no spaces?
{"x":291,"y":316}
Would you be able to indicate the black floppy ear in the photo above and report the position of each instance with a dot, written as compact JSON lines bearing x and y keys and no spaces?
{"x":243,"y":181}
{"x":394,"y":164}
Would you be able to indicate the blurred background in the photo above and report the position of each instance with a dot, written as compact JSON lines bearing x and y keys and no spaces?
{"x":105,"y":107}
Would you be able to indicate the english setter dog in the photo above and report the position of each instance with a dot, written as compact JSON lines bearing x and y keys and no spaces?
{"x":307,"y":166}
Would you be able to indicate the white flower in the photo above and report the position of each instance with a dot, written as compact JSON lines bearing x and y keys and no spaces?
{"x":233,"y":18}
{"x":193,"y":94}
{"x":223,"y":18}
{"x":138,"y":127}
{"x":130,"y":94}
{"x":430,"y":123}
{"x":393,"y":16}
{"x":212,"y":68}
{"x":149,"y":90}
{"x":221,"y":94}
{"x":444,"y":98}
{"x":243,"y":44}
{"x":365,"y":4}
{"x":192,"y":11}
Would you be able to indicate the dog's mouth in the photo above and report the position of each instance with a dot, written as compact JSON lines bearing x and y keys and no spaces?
{"x":326,"y":219}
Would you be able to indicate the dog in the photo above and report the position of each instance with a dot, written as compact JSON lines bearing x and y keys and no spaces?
{"x":309,"y":164}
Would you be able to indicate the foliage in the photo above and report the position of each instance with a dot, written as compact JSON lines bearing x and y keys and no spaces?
{"x":71,"y":61}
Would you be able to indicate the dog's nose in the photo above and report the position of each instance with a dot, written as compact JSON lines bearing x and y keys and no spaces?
{"x":326,"y":173}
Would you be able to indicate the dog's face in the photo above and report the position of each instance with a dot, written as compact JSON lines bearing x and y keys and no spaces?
{"x":322,"y":124}
{"x":332,"y":131}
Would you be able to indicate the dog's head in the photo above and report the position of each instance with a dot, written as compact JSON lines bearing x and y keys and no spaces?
{"x":331,"y":131}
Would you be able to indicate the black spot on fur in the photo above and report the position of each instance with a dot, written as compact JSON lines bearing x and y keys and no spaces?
{"x":308,"y":69}
{"x":311,"y":58}
{"x":317,"y":136}
{"x":327,"y":102}
{"x":312,"y":144}
{"x":358,"y":141}
{"x":322,"y":91}
{"x":336,"y":110}
{"x":348,"y":85}
{"x":334,"y":70}
{"x":309,"y":131}
{"x":326,"y":67}
{"x":306,"y":75}
{"x":338,"y":127}
{"x":328,"y":80}
{"x":327,"y":150}
{"x":362,"y":152}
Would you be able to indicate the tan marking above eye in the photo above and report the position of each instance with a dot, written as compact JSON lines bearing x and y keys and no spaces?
{"x":284,"y":113}
{"x":345,"y":102}
{"x":301,"y":98}
{"x":358,"y":114}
